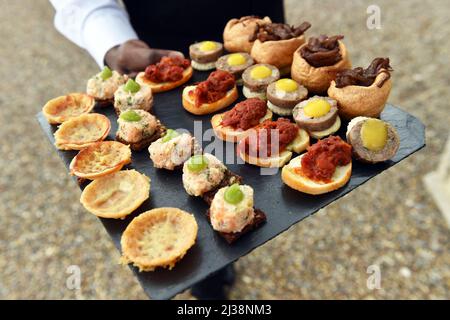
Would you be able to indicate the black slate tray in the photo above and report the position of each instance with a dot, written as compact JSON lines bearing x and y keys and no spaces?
{"x":284,"y":207}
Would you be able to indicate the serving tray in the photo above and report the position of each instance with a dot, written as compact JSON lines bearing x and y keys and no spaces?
{"x":284,"y":207}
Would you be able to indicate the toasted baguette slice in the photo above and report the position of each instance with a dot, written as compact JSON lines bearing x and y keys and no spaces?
{"x":207,"y":108}
{"x":306,"y":185}
{"x":164,"y":86}
{"x":228,"y":133}
{"x":300,"y":143}
{"x":273,"y":162}
{"x":327,"y":132}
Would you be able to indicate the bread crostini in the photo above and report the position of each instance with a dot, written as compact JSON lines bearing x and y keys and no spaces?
{"x":213,"y":94}
{"x":234,"y":124}
{"x":271,"y":143}
{"x":167,"y":74}
{"x":326,"y":166}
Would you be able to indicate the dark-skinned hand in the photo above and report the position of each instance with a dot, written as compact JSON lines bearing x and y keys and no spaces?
{"x":134,"y":56}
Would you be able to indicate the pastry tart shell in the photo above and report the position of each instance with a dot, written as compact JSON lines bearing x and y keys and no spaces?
{"x":158,"y":238}
{"x":100,"y":159}
{"x":63,"y":108}
{"x":79,"y":132}
{"x":116,"y":195}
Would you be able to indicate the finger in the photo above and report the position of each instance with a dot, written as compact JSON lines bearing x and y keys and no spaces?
{"x":157,"y":54}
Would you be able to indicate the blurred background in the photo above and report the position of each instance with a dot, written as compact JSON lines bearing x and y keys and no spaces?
{"x":391,"y":221}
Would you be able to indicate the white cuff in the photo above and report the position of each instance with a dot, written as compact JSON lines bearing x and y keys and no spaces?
{"x":104,"y":29}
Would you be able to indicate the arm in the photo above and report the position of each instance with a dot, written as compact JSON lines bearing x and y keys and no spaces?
{"x":103,"y":29}
{"x":96,"y":26}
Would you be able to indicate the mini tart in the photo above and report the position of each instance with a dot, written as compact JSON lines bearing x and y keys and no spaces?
{"x":300,"y":144}
{"x":237,"y":33}
{"x":230,"y":134}
{"x":116,"y":195}
{"x":82,"y":131}
{"x":158,"y":238}
{"x":206,"y":108}
{"x":277,"y":53}
{"x":317,"y":80}
{"x":164,"y":86}
{"x":63,"y":108}
{"x":363,"y":154}
{"x":100,"y":159}
{"x":357,"y":101}
{"x":303,"y":184}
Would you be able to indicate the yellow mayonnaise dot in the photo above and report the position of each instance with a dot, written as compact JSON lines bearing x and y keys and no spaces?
{"x":317,"y":108}
{"x":208,"y":46}
{"x":374,"y":134}
{"x":236,"y":59}
{"x":260,"y":72}
{"x":287,"y":85}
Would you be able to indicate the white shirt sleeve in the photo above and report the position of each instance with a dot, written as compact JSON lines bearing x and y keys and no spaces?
{"x":96,"y":26}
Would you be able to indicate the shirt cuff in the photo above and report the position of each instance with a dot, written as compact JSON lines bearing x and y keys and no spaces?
{"x":104,"y":30}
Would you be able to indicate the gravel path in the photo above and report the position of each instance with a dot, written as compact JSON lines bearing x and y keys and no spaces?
{"x":390,"y":222}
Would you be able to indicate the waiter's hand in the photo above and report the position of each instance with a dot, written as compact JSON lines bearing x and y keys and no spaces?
{"x":134,"y":56}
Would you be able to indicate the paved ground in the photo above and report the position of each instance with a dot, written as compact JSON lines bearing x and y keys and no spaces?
{"x":390,"y":222}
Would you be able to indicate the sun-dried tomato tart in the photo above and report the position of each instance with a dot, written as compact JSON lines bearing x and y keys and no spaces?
{"x":82,"y":131}
{"x":103,"y":85}
{"x":100,"y":159}
{"x":138,"y":128}
{"x":213,"y":94}
{"x":133,"y":96}
{"x":116,"y":195}
{"x":362,"y":92}
{"x":232,"y":213}
{"x":173,"y":149}
{"x":63,"y":108}
{"x":158,"y":238}
{"x":271,"y":143}
{"x":317,"y":62}
{"x":234,"y":124}
{"x":167,"y":74}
